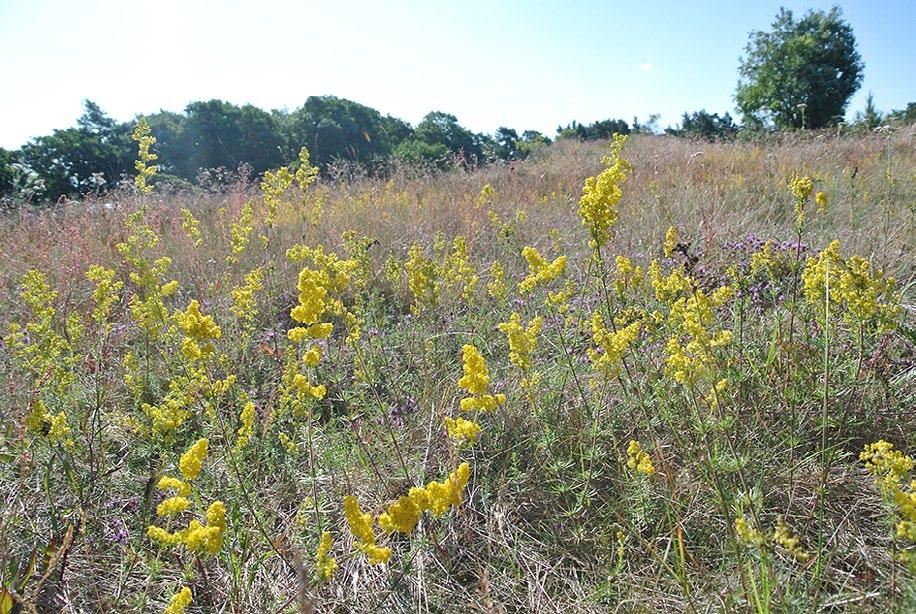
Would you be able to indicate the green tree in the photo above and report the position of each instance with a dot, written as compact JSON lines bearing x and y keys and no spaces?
{"x":438,"y":128}
{"x":339,"y":129}
{"x":415,"y":151}
{"x":219,"y":134}
{"x":75,"y":161}
{"x":708,"y":126}
{"x":871,"y":118}
{"x":7,"y":171}
{"x":800,"y":71}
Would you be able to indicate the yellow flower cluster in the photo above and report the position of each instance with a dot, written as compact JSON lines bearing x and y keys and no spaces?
{"x":356,"y":248}
{"x":692,"y":319}
{"x":496,"y":287}
{"x":671,"y":238}
{"x":191,"y":226}
{"x":669,"y":288}
{"x":273,"y":186}
{"x":246,"y":430}
{"x":540,"y":272}
{"x":179,"y":601}
{"x":145,"y":140}
{"x":639,"y":460}
{"x":820,"y":199}
{"x":172,"y":505}
{"x":361,"y":526}
{"x":106,"y":292}
{"x":626,"y":277}
{"x":42,"y":350}
{"x":325,"y":564}
{"x":864,"y":295}
{"x":240,"y":233}
{"x":313,"y":293}
{"x":196,"y":537}
{"x":197,"y":328}
{"x":800,"y":188}
{"x":192,"y":461}
{"x":334,"y":275}
{"x":611,"y":345}
{"x":147,"y":307}
{"x":244,"y":298}
{"x":783,"y":536}
{"x":764,"y":260}
{"x":486,"y":196}
{"x":458,"y":271}
{"x":475,"y":380}
{"x":461,"y":430}
{"x":749,"y":534}
{"x":602,"y":193}
{"x":422,"y":279}
{"x":169,"y":414}
{"x":522,"y":342}
{"x":438,"y":497}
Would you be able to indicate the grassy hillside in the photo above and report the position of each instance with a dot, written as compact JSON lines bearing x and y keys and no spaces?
{"x":464,"y":396}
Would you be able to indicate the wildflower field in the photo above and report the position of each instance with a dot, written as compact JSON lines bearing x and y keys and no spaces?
{"x":645,"y":375}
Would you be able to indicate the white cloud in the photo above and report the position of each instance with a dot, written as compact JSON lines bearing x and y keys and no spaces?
{"x":646,"y":67}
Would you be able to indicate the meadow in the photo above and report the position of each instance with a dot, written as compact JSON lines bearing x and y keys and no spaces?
{"x":650,"y":375}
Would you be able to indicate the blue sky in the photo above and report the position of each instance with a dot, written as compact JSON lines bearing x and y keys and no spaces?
{"x":522,"y":64}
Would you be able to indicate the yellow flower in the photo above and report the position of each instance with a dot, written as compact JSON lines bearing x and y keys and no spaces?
{"x":192,"y":460}
{"x":612,"y":345}
{"x":783,"y":536}
{"x":172,"y":505}
{"x":464,"y":431}
{"x":522,"y":340}
{"x":801,"y":187}
{"x":361,"y":526}
{"x":313,"y":290}
{"x":476,"y":378}
{"x":191,"y":226}
{"x":402,"y":516}
{"x":440,"y":496}
{"x":486,"y":195}
{"x":669,"y":288}
{"x":540,"y":272}
{"x":313,"y":356}
{"x":885,"y":463}
{"x":602,"y":193}
{"x":639,"y":460}
{"x":496,"y":287}
{"x":359,"y":522}
{"x":865,"y":296}
{"x":163,"y":537}
{"x":670,"y":241}
{"x":246,"y":430}
{"x":197,"y":327}
{"x":305,"y":387}
{"x":821,"y":200}
{"x":626,"y":275}
{"x":748,"y":534}
{"x":170,"y":483}
{"x":209,"y":537}
{"x":422,"y":279}
{"x":143,"y":135}
{"x":179,"y":601}
{"x":324,"y":563}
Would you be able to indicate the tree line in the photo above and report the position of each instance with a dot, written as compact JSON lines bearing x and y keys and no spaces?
{"x":96,"y":154}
